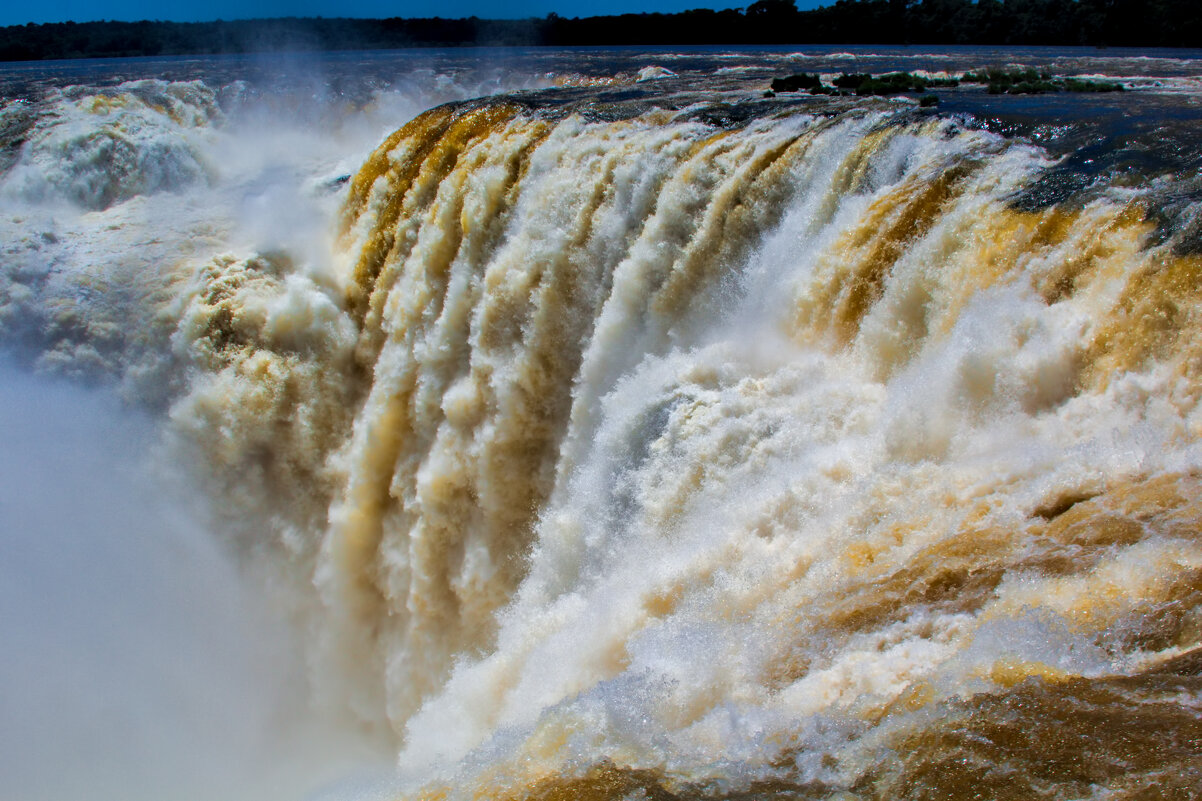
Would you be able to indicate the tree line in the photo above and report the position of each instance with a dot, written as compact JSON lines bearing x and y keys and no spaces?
{"x":1140,"y":23}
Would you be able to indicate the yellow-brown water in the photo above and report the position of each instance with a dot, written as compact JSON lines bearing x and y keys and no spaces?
{"x":784,"y":460}
{"x":633,"y":456}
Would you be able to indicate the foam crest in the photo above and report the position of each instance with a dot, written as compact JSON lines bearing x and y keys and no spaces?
{"x":97,"y":149}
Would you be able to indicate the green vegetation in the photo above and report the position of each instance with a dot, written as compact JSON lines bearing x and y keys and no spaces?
{"x":1019,"y":81}
{"x":893,"y":83}
{"x":795,"y":83}
{"x":851,"y":80}
{"x":1004,"y":77}
{"x":1025,"y":81}
{"x":1029,"y":81}
{"x":1074,"y":85}
{"x":1168,"y":23}
{"x":863,"y":84}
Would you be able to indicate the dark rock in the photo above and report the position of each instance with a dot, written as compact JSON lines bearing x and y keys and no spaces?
{"x":795,"y":83}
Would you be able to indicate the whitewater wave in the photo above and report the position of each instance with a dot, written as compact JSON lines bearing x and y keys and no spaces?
{"x":95,"y":149}
{"x":655,"y":73}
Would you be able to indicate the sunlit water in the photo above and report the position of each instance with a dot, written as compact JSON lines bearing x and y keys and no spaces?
{"x":585,"y":424}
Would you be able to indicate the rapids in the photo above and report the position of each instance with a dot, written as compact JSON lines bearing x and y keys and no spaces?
{"x":643,"y":439}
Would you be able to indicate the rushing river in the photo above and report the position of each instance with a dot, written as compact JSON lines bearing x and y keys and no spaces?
{"x":589,"y":425}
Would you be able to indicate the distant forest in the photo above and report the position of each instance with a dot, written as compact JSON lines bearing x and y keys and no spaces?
{"x":1167,"y":23}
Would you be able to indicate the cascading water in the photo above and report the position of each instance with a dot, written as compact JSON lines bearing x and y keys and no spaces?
{"x":671,"y":448}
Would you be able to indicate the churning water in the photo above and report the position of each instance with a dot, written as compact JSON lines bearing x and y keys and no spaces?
{"x":585,"y":425}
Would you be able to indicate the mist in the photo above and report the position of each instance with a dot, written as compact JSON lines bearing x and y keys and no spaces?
{"x":137,"y":661}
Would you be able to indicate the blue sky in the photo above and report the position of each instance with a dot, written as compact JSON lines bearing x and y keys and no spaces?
{"x":18,"y":13}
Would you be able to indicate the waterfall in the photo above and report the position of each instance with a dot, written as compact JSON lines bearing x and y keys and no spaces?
{"x":635,"y":451}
